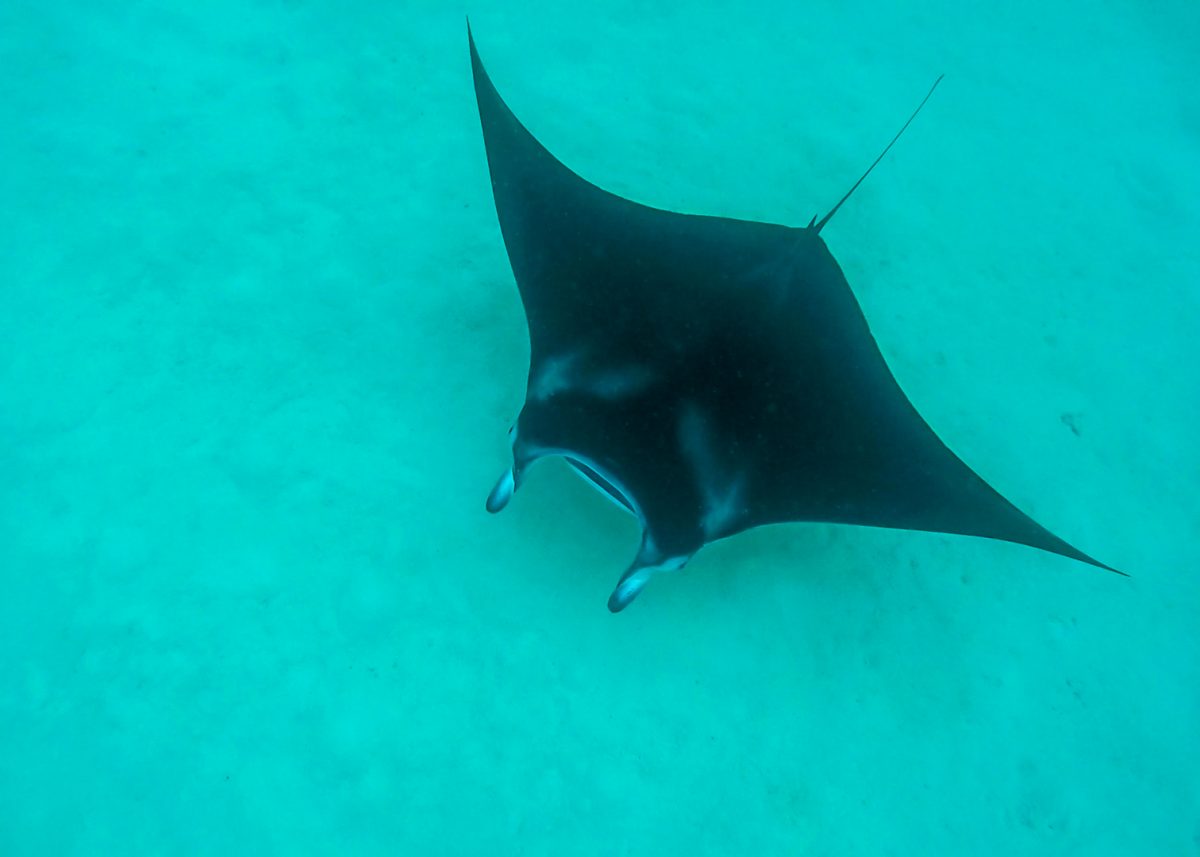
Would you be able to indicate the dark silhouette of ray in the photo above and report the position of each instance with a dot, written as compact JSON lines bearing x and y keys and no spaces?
{"x":710,"y":374}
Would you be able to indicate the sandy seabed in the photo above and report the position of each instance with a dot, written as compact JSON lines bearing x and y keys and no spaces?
{"x":260,"y":345}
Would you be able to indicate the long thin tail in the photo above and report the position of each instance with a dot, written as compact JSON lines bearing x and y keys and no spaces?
{"x":817,"y":226}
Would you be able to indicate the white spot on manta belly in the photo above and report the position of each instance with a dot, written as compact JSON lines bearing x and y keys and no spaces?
{"x":617,"y":383}
{"x":553,"y":376}
{"x":722,"y":509}
{"x":722,"y":493}
{"x":567,"y":372}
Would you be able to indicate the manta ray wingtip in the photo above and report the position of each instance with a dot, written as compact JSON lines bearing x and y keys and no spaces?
{"x":1071,"y":552}
{"x":1113,"y":570}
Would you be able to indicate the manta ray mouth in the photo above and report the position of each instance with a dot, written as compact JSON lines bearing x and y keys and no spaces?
{"x":603,"y":483}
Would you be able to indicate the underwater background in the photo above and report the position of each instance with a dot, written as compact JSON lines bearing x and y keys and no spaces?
{"x":260,"y":346}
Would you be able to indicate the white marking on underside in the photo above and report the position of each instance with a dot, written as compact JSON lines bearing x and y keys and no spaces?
{"x":553,"y":376}
{"x":722,"y":494}
{"x":618,"y":383}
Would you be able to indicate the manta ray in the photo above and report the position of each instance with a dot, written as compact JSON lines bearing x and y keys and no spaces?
{"x":708,"y":374}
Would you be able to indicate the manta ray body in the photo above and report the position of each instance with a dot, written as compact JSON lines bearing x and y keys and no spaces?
{"x":709,"y":374}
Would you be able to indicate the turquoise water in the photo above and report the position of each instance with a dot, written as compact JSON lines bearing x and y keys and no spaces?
{"x":260,"y":346}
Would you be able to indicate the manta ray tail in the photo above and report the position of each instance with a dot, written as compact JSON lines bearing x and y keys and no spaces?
{"x":816,"y":226}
